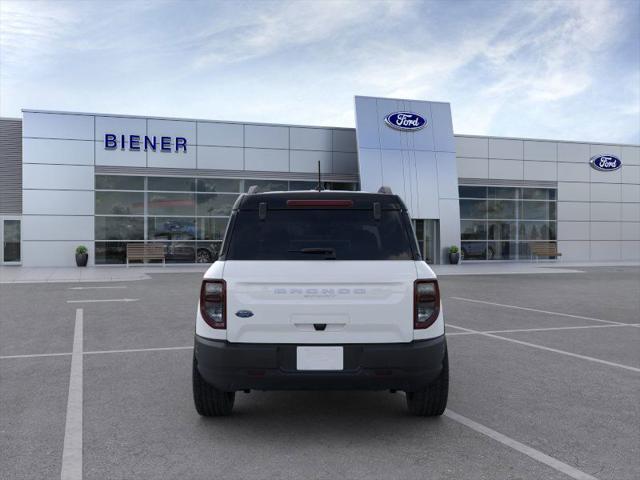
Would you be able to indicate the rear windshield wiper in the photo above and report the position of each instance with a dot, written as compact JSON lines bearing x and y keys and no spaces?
{"x":330,"y":252}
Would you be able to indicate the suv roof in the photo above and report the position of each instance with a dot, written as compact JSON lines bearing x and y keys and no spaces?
{"x":278,"y":200}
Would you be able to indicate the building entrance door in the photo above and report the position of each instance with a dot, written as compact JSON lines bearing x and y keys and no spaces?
{"x":10,"y":234}
{"x":428,"y":235}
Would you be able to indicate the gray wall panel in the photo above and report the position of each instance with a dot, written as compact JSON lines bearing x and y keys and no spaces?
{"x":344,"y":141}
{"x":311,"y":139}
{"x":10,"y":166}
{"x":53,"y":125}
{"x":223,"y":158}
{"x":58,"y":177}
{"x":69,"y":152}
{"x":266,"y":159}
{"x":307,"y":161}
{"x":261,"y":136}
{"x":220,"y":134}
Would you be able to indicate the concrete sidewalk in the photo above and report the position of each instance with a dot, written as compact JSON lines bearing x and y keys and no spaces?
{"x":16,"y":274}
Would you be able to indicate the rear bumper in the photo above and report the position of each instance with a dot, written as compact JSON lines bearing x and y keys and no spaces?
{"x":242,"y":366}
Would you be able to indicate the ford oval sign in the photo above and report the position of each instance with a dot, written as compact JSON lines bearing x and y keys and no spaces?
{"x":605,"y":163}
{"x":405,"y":121}
{"x":244,"y":313}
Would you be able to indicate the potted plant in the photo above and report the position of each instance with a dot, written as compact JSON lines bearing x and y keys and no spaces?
{"x":82,"y":256}
{"x":454,"y":255}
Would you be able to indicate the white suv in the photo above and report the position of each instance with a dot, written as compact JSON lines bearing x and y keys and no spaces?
{"x":320,"y":290}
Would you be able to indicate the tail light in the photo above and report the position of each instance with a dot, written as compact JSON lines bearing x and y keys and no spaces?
{"x":426,"y":303}
{"x":213,"y":303}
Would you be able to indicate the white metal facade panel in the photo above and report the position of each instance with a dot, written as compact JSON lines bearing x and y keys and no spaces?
{"x":506,"y":169}
{"x":573,"y":152}
{"x":428,"y":205}
{"x":605,"y":230}
{"x":506,"y":149}
{"x":120,"y":126}
{"x":630,"y":193}
{"x":605,"y":250}
{"x":58,"y":227}
{"x":172,"y":128}
{"x":606,"y":212}
{"x":540,"y":171}
{"x":631,"y":174}
{"x":630,"y":250}
{"x":574,"y":250}
{"x":307,"y":161}
{"x":54,"y":125}
{"x":630,"y":212}
{"x":119,"y":157}
{"x":630,"y":230}
{"x":57,"y":177}
{"x":473,"y":167}
{"x":220,"y":158}
{"x":55,"y":253}
{"x":266,"y":159}
{"x":574,"y":172}
{"x":573,"y":230}
{"x":473,"y":147}
{"x":343,"y":162}
{"x":57,"y":202}
{"x":220,"y":134}
{"x":543,"y":151}
{"x":630,"y":155}
{"x":573,"y":192}
{"x":310,"y":139}
{"x":58,"y":152}
{"x":262,"y":136}
{"x":369,"y":160}
{"x":344,"y":141}
{"x":573,"y":211}
{"x":605,"y":192}
{"x":442,"y":127}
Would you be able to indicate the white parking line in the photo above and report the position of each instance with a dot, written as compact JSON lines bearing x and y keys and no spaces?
{"x":538,"y":311}
{"x":95,"y":288}
{"x":105,"y":300}
{"x":547,"y":329}
{"x":520,"y":447}
{"x":72,"y":449}
{"x":548,"y":349}
{"x":94,"y":352}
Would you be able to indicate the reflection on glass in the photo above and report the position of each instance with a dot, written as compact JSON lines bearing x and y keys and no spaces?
{"x":473,"y":208}
{"x":119,"y":228}
{"x":111,"y":252}
{"x":178,"y":184}
{"x":207,"y":252}
{"x":294,"y":185}
{"x":119,"y":182}
{"x":212,"y":185}
{"x":267,"y":185}
{"x":501,"y":192}
{"x":472,"y":192}
{"x":210,"y":205}
{"x":178,"y":251}
{"x":11,"y":247}
{"x":505,"y":209}
{"x":474,"y":250}
{"x":473,"y":230}
{"x":168,"y":228}
{"x":120,"y":203}
{"x":211,"y":228}
{"x":501,"y":250}
{"x":171,"y":204}
{"x":502,"y":230}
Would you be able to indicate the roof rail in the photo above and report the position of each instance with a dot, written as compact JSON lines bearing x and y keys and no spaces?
{"x":252,"y":189}
{"x":386,"y":190}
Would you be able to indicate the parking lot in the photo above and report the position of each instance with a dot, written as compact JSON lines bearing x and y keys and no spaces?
{"x":95,"y":383}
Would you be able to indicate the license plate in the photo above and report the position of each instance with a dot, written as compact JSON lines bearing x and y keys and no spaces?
{"x":320,"y":358}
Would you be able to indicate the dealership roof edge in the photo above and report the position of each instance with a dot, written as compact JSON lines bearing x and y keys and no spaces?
{"x":180,"y":119}
{"x":151,"y":117}
{"x":401,"y":99}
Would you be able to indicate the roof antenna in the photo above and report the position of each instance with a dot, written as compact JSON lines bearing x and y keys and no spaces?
{"x":319,"y":178}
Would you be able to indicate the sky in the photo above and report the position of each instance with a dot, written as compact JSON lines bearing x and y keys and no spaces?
{"x":541,"y":69}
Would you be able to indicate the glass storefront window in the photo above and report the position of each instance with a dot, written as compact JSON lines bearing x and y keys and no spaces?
{"x":501,"y":223}
{"x":295,"y":185}
{"x":267,"y":185}
{"x":473,"y":230}
{"x":119,"y":228}
{"x":501,"y":209}
{"x":211,"y":228}
{"x":171,"y":204}
{"x":473,"y":209}
{"x":213,"y":185}
{"x":176,"y":184}
{"x":119,"y":182}
{"x":215,"y":204}
{"x":119,"y":203}
{"x":108,"y":253}
{"x":170,"y":228}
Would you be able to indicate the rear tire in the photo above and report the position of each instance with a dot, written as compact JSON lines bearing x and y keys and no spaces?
{"x":432,"y":401}
{"x":209,"y":401}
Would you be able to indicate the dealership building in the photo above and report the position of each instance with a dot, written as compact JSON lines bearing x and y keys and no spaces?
{"x":110,"y":182}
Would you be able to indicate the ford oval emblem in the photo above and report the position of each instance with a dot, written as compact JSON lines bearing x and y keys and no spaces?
{"x":605,"y":163}
{"x":405,"y":121}
{"x":244,"y":313}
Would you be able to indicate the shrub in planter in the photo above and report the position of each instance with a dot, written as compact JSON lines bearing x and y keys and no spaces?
{"x":82,"y":256}
{"x":454,"y":255}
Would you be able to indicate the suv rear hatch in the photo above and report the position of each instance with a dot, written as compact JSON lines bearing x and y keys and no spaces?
{"x":337,"y":269}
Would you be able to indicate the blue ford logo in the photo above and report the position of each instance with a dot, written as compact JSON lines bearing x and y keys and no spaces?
{"x":605,"y":163}
{"x":405,"y":121}
{"x":244,"y":313}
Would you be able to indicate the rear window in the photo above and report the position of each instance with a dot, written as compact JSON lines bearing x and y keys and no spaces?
{"x":305,"y":234}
